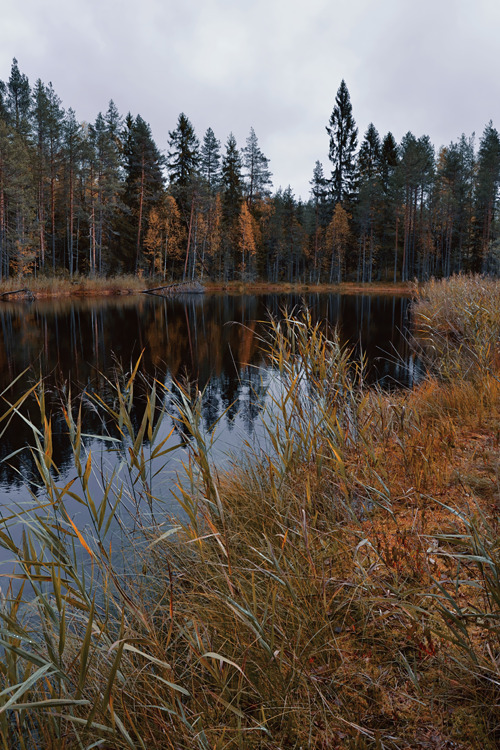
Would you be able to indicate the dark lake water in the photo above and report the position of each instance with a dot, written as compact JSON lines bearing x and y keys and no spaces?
{"x":210,"y":339}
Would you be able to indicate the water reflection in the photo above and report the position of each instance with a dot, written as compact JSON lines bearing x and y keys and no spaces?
{"x":212,"y":339}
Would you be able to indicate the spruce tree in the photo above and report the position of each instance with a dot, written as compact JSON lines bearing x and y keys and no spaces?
{"x":388,"y":161}
{"x":113,"y":124}
{"x":369,"y":154}
{"x":19,"y":99}
{"x":144,"y":182}
{"x":368,"y":203}
{"x":210,"y":160}
{"x":343,"y":141}
{"x":231,"y":181}
{"x":319,"y":186}
{"x":232,"y":195}
{"x":487,"y":184}
{"x":415,"y":175}
{"x":183,"y":157}
{"x":322,"y":209}
{"x":3,"y":97}
{"x":258,"y":176}
{"x":389,"y":238}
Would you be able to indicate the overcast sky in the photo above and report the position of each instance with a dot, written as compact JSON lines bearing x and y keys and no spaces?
{"x":430,"y":66}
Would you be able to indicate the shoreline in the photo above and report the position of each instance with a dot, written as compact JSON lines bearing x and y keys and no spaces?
{"x":23,"y":289}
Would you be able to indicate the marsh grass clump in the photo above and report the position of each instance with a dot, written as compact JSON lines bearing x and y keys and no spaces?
{"x":457,"y":320}
{"x":336,"y":587}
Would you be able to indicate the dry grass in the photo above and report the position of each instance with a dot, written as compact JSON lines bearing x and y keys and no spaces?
{"x":63,"y":285}
{"x":458,"y":322}
{"x":56,"y":286}
{"x":264,"y":287}
{"x":339,"y":589}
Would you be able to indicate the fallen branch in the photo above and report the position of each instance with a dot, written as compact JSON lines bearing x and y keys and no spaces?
{"x":186,"y":287}
{"x":16,"y":291}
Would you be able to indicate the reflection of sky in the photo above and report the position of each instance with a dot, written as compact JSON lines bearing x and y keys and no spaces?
{"x":138,"y":508}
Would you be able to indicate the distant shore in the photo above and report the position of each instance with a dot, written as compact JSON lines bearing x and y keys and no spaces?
{"x":43,"y":287}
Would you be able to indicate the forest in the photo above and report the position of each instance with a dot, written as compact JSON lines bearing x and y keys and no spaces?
{"x":101,"y":198}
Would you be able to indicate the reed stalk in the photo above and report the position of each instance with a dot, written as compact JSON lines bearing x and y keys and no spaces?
{"x":336,"y":587}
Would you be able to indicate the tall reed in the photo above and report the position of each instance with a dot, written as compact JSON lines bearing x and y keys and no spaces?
{"x":336,"y":587}
{"x":458,"y":322}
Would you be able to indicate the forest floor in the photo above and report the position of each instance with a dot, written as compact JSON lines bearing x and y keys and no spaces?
{"x":43,"y":287}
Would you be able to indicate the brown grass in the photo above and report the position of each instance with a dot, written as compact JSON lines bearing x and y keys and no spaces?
{"x":339,"y":589}
{"x":57,"y":286}
{"x":458,"y":323}
{"x":262,"y":287}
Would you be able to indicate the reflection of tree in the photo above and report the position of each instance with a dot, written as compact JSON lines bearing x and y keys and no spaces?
{"x":211,"y":405}
{"x":253,"y":400}
{"x":211,"y":341}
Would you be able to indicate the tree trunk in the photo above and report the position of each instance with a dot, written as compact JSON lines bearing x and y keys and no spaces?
{"x":188,"y":239}
{"x":139,"y":228}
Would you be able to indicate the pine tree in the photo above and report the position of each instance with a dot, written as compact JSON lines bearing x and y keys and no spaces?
{"x":258,"y":177}
{"x":72,"y":151}
{"x":48,"y":118}
{"x":55,"y":127}
{"x":415,"y":174}
{"x":17,"y":204}
{"x":452,"y":206}
{"x":41,"y":115}
{"x":343,"y":141}
{"x":103,"y":136}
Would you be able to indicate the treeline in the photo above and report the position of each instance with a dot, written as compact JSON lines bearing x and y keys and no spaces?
{"x":101,"y":198}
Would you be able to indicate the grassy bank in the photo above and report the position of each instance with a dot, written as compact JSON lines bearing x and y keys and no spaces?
{"x":340,"y":589}
{"x":58,"y":286}
{"x":262,"y":287}
{"x":43,"y":287}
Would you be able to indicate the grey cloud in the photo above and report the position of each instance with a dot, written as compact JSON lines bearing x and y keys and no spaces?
{"x":272,"y":64}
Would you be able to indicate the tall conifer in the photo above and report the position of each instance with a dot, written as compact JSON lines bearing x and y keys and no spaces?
{"x":210,"y":160}
{"x":343,"y":141}
{"x":183,"y":156}
{"x":257,"y":175}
